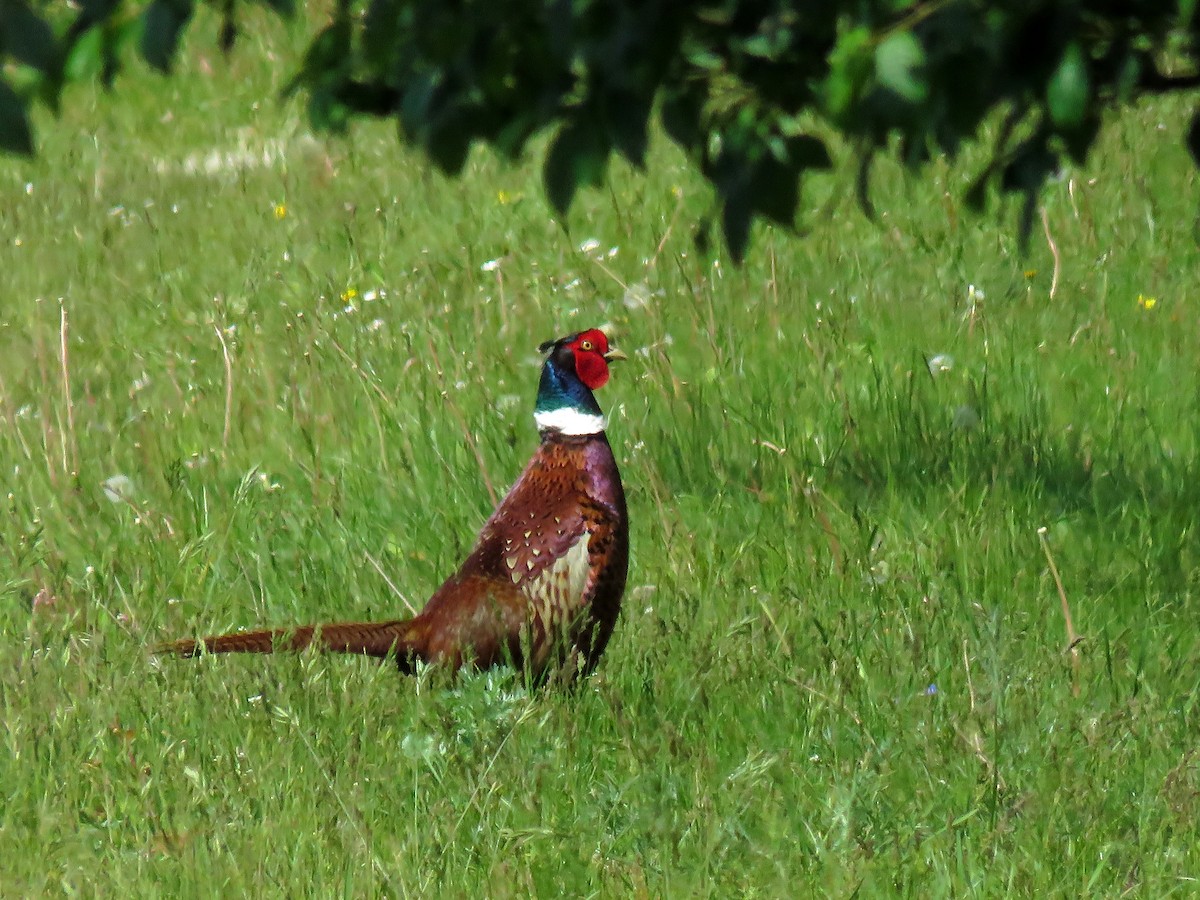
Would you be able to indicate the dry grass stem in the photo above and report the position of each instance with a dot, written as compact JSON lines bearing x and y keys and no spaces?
{"x":225,"y":430}
{"x":1073,"y":639}
{"x":70,"y":452}
{"x":1053,"y":251}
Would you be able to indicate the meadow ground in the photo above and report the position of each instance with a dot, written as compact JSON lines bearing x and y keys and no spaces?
{"x":297,"y":371}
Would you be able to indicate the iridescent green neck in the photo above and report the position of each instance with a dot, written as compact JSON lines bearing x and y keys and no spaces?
{"x":565,"y":404}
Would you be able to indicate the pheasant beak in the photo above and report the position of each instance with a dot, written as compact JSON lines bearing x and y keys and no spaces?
{"x":614,"y":353}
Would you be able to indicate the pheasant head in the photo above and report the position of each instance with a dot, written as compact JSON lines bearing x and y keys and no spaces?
{"x":575,"y":366}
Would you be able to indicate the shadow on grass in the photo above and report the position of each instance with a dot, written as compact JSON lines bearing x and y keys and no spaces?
{"x":1125,"y":485}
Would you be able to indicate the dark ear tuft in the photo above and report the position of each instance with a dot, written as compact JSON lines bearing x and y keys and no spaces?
{"x":548,"y":346}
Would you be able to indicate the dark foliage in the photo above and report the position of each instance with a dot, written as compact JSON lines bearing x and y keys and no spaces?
{"x":734,"y":83}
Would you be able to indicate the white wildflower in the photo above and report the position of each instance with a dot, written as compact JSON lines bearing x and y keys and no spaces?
{"x":940,"y":362}
{"x":118,"y":488}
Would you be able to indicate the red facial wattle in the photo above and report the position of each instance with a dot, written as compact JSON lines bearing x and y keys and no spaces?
{"x":591,"y":368}
{"x":590,"y":365}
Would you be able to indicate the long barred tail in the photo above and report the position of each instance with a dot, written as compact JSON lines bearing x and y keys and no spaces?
{"x":378,"y":639}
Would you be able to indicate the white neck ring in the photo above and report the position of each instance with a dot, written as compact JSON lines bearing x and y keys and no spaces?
{"x":569,"y":421}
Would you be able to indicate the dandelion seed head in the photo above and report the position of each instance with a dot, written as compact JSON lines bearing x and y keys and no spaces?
{"x":940,"y":362}
{"x":118,"y":488}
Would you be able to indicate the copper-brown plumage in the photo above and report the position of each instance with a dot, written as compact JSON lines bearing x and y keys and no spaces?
{"x":542,"y":587}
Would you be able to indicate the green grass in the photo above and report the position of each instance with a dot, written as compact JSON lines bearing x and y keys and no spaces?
{"x":815,"y":542}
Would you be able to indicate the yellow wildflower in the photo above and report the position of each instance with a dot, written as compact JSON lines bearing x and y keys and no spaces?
{"x":280,"y":211}
{"x":1146,"y":302}
{"x":1031,"y":273}
{"x":349,"y":294}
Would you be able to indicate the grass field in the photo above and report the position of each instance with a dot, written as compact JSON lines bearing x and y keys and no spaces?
{"x":248,"y":376}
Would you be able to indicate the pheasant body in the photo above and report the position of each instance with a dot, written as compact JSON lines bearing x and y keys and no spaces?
{"x":542,"y":587}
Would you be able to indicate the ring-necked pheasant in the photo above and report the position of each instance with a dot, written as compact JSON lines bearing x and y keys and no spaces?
{"x":543,"y":585}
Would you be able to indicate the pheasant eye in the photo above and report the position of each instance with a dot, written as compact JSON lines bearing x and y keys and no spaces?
{"x":586,"y":346}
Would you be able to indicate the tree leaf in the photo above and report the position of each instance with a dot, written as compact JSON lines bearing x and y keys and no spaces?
{"x":1130,"y":73}
{"x":680,"y":112}
{"x":1078,"y":141}
{"x":1032,"y":163}
{"x":229,"y":31}
{"x":1068,"y":90}
{"x":326,"y":109}
{"x":578,"y":156}
{"x":85,"y":60}
{"x":849,"y":68}
{"x":899,"y":66}
{"x":626,"y":114}
{"x":735,"y":224}
{"x":511,"y":139}
{"x":1193,"y":138}
{"x":326,"y":54}
{"x":774,"y":190}
{"x":703,"y":235}
{"x":449,"y":143}
{"x":1025,"y":221}
{"x":862,"y":184}
{"x":162,"y":22}
{"x":29,"y":39}
{"x":702,"y":57}
{"x":976,"y":194}
{"x":809,"y":152}
{"x":15,"y":136}
{"x":762,"y":46}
